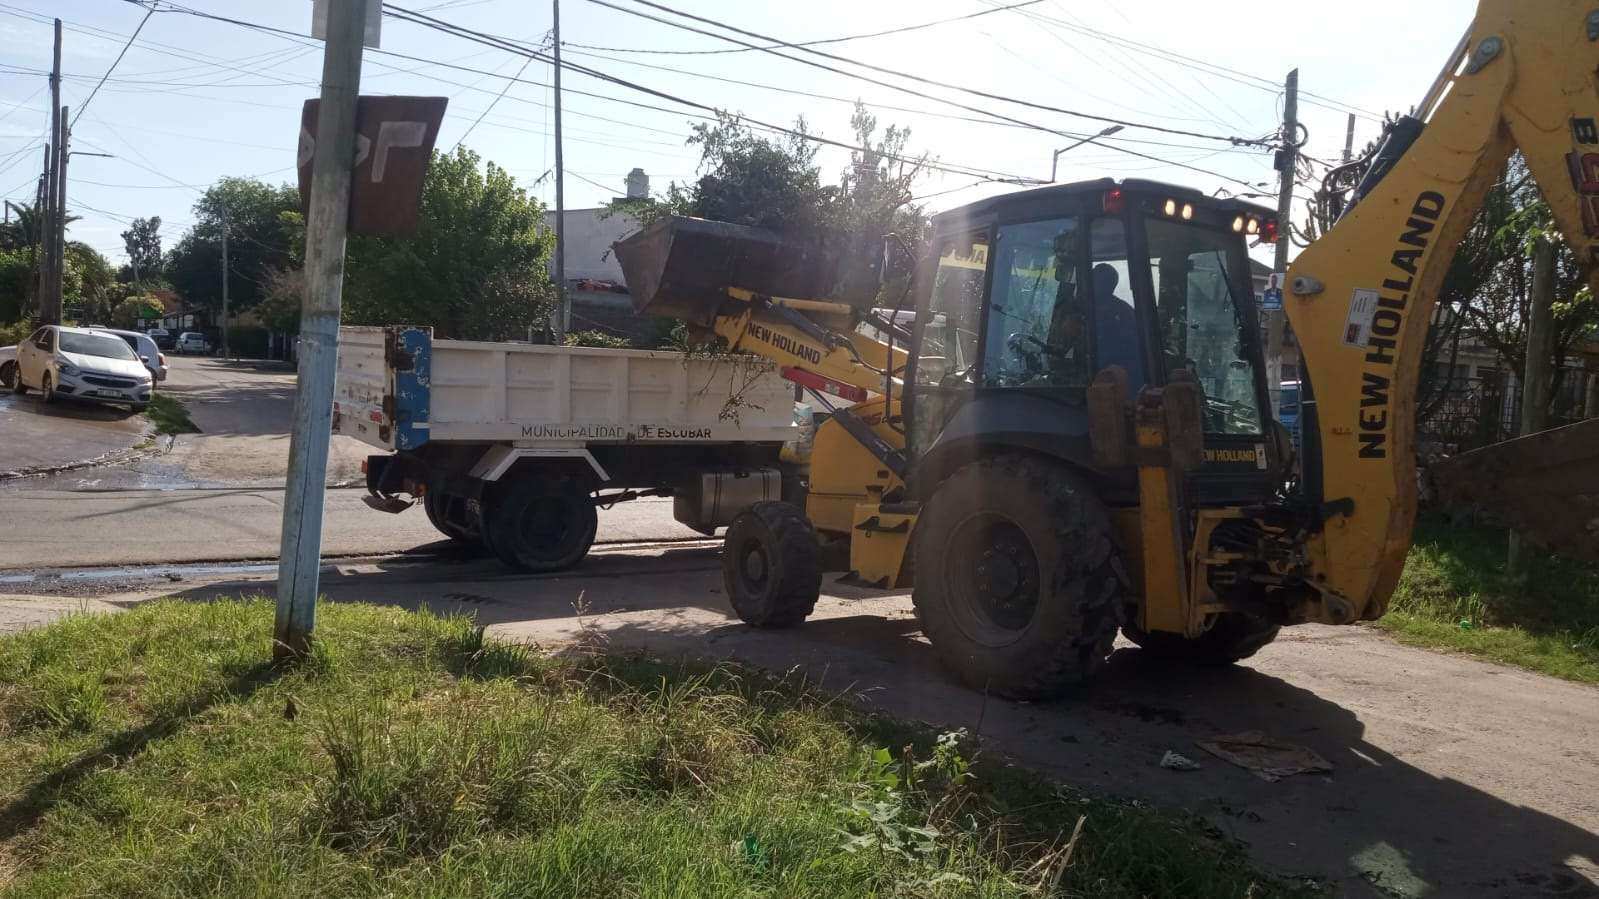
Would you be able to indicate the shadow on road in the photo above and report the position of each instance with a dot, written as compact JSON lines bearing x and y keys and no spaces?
{"x":64,"y":408}
{"x":1377,"y":826}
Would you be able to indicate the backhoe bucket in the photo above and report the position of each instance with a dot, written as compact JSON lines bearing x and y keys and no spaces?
{"x":1545,"y":485}
{"x":680,"y":266}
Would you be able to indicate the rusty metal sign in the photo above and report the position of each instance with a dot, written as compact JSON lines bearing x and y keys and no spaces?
{"x":393,"y":144}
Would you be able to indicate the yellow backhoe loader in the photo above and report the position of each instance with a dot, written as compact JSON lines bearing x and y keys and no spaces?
{"x":1066,"y":430}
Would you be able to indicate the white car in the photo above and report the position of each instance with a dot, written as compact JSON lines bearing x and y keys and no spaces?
{"x":193,"y":342}
{"x":145,"y":348}
{"x":80,"y":363}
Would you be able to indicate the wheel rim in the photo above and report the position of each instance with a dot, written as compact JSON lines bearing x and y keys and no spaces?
{"x":754,"y":567}
{"x":993,"y":574}
{"x":546,"y":524}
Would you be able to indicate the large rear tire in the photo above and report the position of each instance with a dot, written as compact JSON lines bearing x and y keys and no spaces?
{"x":1018,"y":583}
{"x":540,"y":521}
{"x":771,"y":565}
{"x":438,"y":505}
{"x":1234,"y":637}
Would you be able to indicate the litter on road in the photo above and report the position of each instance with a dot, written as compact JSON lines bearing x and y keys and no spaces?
{"x":1266,"y":757}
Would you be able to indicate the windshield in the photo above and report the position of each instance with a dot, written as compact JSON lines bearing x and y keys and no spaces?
{"x":1205,"y":319}
{"x":103,"y":345}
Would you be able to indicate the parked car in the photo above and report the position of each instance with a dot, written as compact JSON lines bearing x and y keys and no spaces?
{"x":145,"y":348}
{"x":1288,"y":408}
{"x":79,"y":363}
{"x":193,"y":342}
{"x":162,"y":337}
{"x":8,"y":366}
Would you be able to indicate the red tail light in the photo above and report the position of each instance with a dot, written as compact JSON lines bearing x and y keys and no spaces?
{"x":1268,"y":231}
{"x":1113,"y":200}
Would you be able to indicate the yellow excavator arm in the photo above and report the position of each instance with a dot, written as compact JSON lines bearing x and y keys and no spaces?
{"x":1361,"y":298}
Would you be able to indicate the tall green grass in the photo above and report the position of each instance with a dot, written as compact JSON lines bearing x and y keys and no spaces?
{"x":1456,"y":593}
{"x":157,"y":753}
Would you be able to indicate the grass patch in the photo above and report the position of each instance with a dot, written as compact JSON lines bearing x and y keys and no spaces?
{"x":1455,"y":593}
{"x":155,"y":752}
{"x":169,"y":415}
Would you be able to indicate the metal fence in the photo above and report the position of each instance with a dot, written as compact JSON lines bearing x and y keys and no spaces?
{"x":1476,"y":412}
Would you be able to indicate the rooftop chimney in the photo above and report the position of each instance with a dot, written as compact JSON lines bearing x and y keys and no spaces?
{"x":638,"y":185}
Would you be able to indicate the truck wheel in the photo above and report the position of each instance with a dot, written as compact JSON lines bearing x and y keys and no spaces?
{"x":1235,"y":636}
{"x":540,"y":522}
{"x":437,"y":504}
{"x":1018,"y":583}
{"x":771,"y":565}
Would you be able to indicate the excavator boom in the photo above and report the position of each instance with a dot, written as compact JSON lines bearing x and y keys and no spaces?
{"x":1362,"y":297}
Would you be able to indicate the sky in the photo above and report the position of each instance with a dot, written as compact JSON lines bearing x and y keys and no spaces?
{"x":196,"y":99}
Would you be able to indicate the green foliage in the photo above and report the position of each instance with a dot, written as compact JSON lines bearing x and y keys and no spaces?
{"x":259,"y":240}
{"x":170,"y":415}
{"x":1456,"y":593}
{"x":158,"y":751}
{"x":18,"y":280}
{"x":598,"y":339}
{"x":89,"y":282}
{"x":774,"y":182}
{"x":476,"y":268}
{"x":133,"y":311}
{"x":143,"y":243}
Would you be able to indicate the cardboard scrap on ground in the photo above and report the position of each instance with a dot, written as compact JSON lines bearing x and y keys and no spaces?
{"x":1268,"y":758}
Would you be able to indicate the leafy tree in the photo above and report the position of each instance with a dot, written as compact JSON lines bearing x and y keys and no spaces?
{"x":775,"y":183}
{"x":258,"y":242}
{"x":18,"y":280}
{"x":88,"y":283}
{"x":143,"y":243}
{"x":477,"y":266}
{"x":130,"y":312}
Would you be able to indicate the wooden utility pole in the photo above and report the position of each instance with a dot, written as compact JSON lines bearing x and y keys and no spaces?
{"x":1535,"y":379}
{"x":560,"y":319}
{"x":50,"y":285}
{"x":1276,"y":322}
{"x":41,"y":227}
{"x":300,"y":549}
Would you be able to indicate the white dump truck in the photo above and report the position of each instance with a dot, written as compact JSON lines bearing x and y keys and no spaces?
{"x":515,"y":444}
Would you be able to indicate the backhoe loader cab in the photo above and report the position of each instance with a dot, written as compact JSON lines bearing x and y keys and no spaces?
{"x":1035,"y":293}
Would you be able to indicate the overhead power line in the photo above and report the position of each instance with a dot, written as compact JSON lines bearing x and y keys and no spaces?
{"x":830,"y":40}
{"x":1126,"y":123}
{"x":513,"y":46}
{"x":78,"y":113}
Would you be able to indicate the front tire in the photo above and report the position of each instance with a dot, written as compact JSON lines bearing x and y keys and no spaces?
{"x":1019,"y":584}
{"x":1234,"y":637}
{"x":541,"y":522}
{"x":771,"y":565}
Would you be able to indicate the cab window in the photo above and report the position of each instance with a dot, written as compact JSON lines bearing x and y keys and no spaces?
{"x":1115,"y":314}
{"x":949,"y":329}
{"x":1037,"y":332}
{"x":45,"y":339}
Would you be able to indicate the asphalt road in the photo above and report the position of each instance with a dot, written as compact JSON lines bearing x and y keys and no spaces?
{"x":1451,"y":777}
{"x":37,"y":438}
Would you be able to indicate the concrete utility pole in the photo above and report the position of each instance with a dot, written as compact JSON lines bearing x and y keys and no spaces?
{"x":226,"y":349}
{"x":1349,"y":139}
{"x":1276,"y":321}
{"x":300,"y":550}
{"x":60,"y":236}
{"x":50,"y":283}
{"x":41,"y":246}
{"x":560,"y":319}
{"x":1535,"y":380}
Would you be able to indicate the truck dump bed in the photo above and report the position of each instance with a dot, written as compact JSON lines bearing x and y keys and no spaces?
{"x":399,"y":389}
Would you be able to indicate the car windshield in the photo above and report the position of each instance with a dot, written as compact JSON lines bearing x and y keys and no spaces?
{"x":103,"y":345}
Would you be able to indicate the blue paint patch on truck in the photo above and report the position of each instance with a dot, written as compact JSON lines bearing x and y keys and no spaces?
{"x":412,"y":364}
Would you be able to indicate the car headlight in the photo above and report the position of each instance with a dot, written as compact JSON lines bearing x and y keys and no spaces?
{"x":68,"y":369}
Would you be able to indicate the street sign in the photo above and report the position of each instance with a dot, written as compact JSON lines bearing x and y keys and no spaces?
{"x":393,"y":143}
{"x":374,"y":22}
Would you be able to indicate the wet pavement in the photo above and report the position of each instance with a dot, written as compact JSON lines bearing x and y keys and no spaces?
{"x":37,"y":438}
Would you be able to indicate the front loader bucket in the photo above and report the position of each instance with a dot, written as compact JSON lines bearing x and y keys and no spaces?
{"x":680,"y":266}
{"x":1545,"y":485}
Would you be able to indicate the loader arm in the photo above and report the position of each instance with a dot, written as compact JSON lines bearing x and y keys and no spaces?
{"x":1362,"y":297}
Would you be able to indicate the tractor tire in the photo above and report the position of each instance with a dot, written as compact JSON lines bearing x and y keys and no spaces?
{"x":1234,"y":637}
{"x":1019,"y":584}
{"x":540,"y":521}
{"x":771,"y":565}
{"x":436,"y":503}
